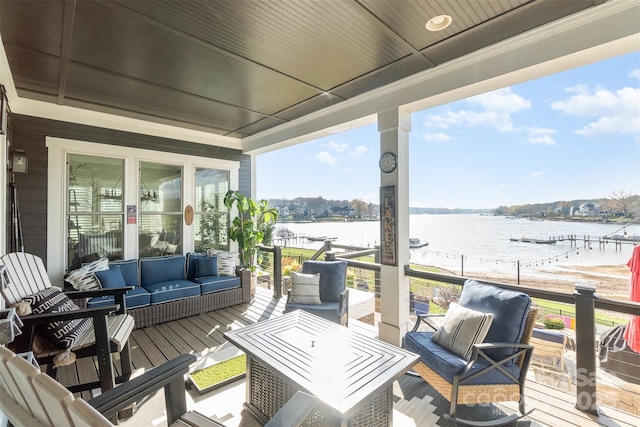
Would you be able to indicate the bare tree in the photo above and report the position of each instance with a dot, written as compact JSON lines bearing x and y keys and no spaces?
{"x":620,"y":202}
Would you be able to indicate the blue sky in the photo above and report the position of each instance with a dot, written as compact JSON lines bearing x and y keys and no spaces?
{"x":572,"y":135}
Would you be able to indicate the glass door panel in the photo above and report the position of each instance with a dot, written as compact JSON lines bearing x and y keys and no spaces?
{"x":211,"y":219}
{"x":95,"y":209}
{"x":160,"y":206}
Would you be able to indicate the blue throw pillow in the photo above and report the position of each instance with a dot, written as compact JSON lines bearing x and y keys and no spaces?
{"x":191,"y":264}
{"x":207,"y":266}
{"x":129,"y":270}
{"x":111,"y":278}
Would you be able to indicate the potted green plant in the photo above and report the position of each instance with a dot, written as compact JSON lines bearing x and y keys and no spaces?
{"x":252,"y":226}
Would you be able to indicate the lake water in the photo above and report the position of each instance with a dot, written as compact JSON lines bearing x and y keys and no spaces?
{"x":484,"y":241}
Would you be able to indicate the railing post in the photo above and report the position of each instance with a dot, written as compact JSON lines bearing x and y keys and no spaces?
{"x":329,"y":256}
{"x":586,"y":398}
{"x":277,"y":272}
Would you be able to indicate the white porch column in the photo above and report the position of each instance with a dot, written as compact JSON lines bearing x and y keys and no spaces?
{"x":394,"y":126}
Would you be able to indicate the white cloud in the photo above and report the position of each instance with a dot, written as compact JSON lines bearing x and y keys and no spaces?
{"x":436,"y":137}
{"x":540,"y":136}
{"x":536,"y":176}
{"x":326,"y":157}
{"x":359,"y":151}
{"x":338,"y":146}
{"x":614,"y":112}
{"x":635,"y":74}
{"x":492,"y":109}
{"x":350,"y":171}
{"x":501,"y":100}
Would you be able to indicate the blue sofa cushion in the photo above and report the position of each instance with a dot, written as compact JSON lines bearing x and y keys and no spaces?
{"x":161,"y":269}
{"x":137,"y":297}
{"x":172,"y":290}
{"x":207,"y":266}
{"x":333,"y":276}
{"x":129,"y":270}
{"x":509,"y":310}
{"x":111,"y":278}
{"x":217,"y":283}
{"x":191,"y":264}
{"x":327,"y":310}
{"x":448,"y":364}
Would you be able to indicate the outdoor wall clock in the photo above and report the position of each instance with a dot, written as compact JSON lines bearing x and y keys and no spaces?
{"x":388,"y":162}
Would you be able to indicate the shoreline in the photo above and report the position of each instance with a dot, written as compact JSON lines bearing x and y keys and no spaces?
{"x":611,"y":281}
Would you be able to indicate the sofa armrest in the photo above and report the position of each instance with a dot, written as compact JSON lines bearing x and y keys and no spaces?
{"x":245,"y":283}
{"x":169,"y":375}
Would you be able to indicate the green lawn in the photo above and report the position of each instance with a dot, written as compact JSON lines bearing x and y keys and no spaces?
{"x":426,"y":287}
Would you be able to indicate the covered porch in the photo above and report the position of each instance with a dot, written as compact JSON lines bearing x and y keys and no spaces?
{"x":79,"y":95}
{"x":415,"y":402}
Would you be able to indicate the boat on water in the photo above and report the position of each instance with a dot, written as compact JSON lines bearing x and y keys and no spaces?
{"x":321,"y":238}
{"x":533,"y":240}
{"x":415,"y":243}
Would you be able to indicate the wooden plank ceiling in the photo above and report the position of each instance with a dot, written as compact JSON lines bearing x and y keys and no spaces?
{"x":240,"y":67}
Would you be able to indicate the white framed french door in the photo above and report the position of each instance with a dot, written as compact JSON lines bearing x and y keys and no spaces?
{"x":118,"y":216}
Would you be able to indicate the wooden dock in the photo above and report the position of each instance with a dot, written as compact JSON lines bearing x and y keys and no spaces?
{"x":617,"y":240}
{"x":603,"y":241}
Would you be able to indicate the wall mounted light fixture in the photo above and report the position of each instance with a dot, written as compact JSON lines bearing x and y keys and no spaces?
{"x":19,"y":161}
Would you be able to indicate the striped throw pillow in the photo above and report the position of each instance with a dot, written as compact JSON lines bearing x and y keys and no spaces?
{"x":305,"y":288}
{"x":227,"y":261}
{"x":83,"y":278}
{"x":461,"y":329}
{"x":62,"y":334}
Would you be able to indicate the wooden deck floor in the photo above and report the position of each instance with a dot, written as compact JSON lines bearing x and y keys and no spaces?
{"x":415,"y":403}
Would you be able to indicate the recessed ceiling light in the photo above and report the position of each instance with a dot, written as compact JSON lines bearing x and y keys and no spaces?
{"x":438,"y":23}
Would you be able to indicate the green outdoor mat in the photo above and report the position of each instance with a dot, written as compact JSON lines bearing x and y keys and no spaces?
{"x":220,"y":374}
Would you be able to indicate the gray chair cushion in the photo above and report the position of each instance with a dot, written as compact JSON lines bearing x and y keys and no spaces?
{"x":333,"y":275}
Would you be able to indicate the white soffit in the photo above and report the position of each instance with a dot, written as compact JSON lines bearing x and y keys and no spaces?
{"x":603,"y":32}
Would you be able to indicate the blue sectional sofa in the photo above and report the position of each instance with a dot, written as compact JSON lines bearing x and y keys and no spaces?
{"x":172,"y":287}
